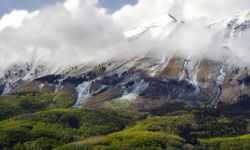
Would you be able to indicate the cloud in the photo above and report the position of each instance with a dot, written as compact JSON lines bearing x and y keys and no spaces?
{"x":190,"y":38}
{"x":77,"y":31}
{"x":212,"y":10}
{"x":241,"y":48}
{"x":62,"y":36}
{"x":15,"y":18}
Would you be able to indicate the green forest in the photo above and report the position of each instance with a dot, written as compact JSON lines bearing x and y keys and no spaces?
{"x":32,"y":121}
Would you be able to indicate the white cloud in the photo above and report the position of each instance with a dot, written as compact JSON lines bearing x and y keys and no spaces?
{"x":72,"y":5}
{"x":15,"y":18}
{"x":77,"y":31}
{"x":211,"y":10}
{"x":62,"y":35}
{"x":131,"y":16}
{"x":191,"y":38}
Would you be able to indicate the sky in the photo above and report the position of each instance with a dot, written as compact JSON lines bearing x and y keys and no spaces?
{"x":113,"y":5}
{"x":6,"y":6}
{"x":71,"y":32}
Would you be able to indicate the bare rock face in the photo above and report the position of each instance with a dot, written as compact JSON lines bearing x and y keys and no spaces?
{"x":143,"y":83}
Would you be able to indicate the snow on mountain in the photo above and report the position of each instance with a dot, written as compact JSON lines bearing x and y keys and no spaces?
{"x":233,"y":26}
{"x":149,"y":76}
{"x":160,"y":26}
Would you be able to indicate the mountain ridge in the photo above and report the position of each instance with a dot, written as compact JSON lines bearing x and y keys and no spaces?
{"x":198,"y":81}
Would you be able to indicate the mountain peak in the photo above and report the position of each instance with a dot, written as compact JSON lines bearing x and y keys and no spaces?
{"x":233,"y":25}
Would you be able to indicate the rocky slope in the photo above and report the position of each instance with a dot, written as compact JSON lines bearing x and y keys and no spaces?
{"x":144,"y":82}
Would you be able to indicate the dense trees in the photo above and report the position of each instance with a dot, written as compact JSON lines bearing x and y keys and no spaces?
{"x":38,"y":125}
{"x":50,"y":129}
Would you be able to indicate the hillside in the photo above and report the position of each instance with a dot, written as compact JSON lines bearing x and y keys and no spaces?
{"x":171,"y":74}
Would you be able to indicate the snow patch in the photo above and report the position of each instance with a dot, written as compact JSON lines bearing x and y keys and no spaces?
{"x":158,"y":27}
{"x":7,"y":89}
{"x":131,"y":93}
{"x":83,"y":91}
{"x":162,"y":65}
{"x":189,"y":71}
{"x":41,"y":86}
{"x":219,"y":84}
{"x":59,"y":86}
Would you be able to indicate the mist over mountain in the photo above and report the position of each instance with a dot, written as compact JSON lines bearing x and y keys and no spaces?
{"x":75,"y":32}
{"x":142,"y":43}
{"x":158,"y":74}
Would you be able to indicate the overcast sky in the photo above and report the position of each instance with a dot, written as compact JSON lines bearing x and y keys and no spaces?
{"x":6,"y":6}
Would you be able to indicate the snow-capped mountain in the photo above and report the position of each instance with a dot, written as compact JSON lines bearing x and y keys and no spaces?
{"x":147,"y":81}
{"x":161,"y":26}
{"x":233,"y":26}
